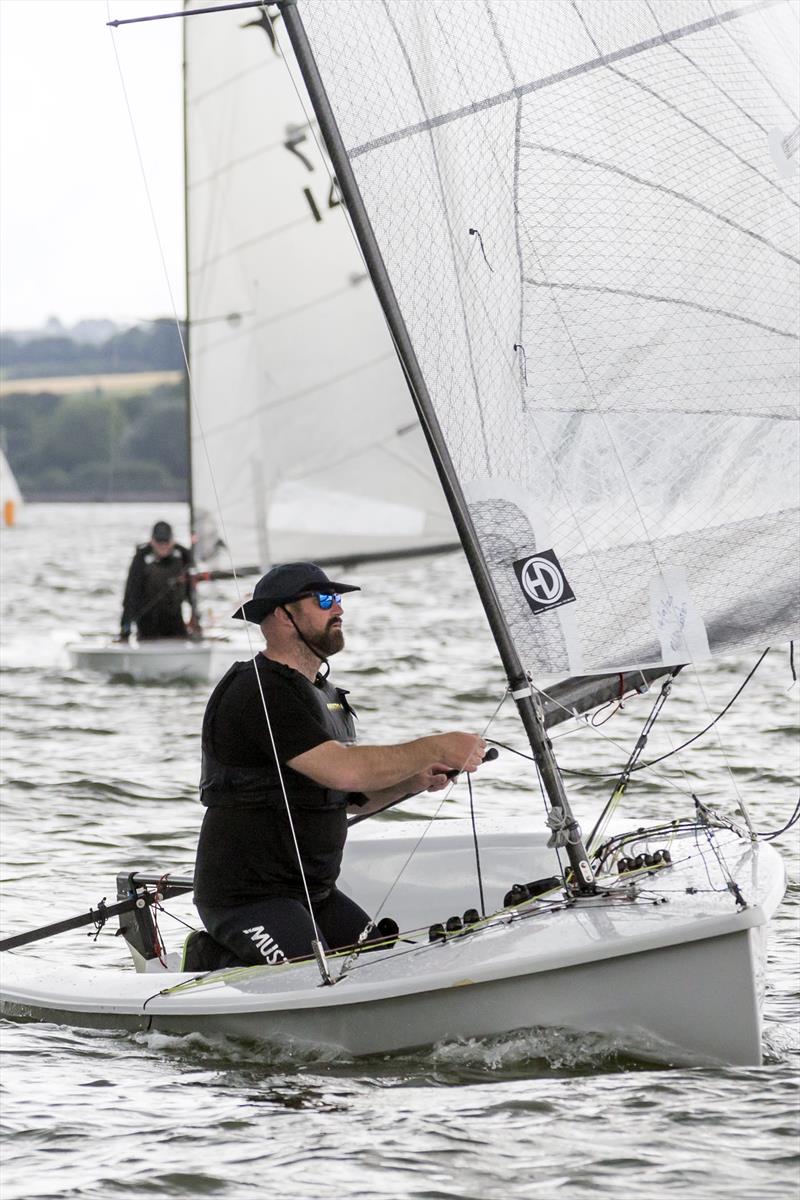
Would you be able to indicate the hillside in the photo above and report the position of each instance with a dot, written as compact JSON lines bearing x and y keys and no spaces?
{"x":96,"y":422}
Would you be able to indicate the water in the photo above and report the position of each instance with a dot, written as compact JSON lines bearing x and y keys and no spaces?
{"x":101,"y":775}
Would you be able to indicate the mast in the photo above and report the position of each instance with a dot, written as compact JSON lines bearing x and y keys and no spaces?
{"x":186,"y":329}
{"x":521,"y":689}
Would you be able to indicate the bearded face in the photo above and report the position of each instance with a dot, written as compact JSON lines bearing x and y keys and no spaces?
{"x":330,"y":640}
{"x":319,"y":628}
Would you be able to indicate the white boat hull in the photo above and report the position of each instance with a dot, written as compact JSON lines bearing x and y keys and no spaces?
{"x":674,"y":975}
{"x":159,"y":659}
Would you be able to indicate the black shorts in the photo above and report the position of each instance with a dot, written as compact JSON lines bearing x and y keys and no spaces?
{"x":270,"y":931}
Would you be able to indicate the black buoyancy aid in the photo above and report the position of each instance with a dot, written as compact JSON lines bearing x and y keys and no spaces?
{"x":225,"y":786}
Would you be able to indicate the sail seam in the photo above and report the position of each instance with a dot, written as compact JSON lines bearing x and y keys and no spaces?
{"x":247,"y":245}
{"x":660,"y":187}
{"x":650,"y":91}
{"x":781,"y":99}
{"x":525,"y":89}
{"x":693,"y":304}
{"x":293,"y":397}
{"x":451,"y":238}
{"x":287,"y":315}
{"x":707,"y":77}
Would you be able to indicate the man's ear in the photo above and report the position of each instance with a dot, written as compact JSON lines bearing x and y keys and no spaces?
{"x":278,"y":618}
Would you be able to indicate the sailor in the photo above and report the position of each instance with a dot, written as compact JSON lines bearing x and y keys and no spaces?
{"x":278,"y":740}
{"x":159,"y":583}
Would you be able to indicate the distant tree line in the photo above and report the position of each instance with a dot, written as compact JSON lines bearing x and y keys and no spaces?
{"x":98,"y":445}
{"x":155,"y":346}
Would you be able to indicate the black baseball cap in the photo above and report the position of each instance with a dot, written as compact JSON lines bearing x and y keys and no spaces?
{"x":284,"y":583}
{"x":162,"y":532}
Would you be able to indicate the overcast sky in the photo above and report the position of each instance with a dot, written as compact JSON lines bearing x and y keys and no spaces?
{"x":76,"y":235}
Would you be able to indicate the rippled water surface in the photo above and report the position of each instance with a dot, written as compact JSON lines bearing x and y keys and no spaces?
{"x":101,"y":774}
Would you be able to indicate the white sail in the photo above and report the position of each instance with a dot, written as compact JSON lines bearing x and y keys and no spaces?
{"x":304,"y":439}
{"x":589,"y":215}
{"x":10,"y":495}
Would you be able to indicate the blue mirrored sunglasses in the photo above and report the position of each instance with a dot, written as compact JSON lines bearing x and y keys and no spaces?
{"x":325,"y":600}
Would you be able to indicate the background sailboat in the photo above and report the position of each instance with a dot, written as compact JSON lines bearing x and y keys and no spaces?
{"x":10,"y":495}
{"x":304,"y":441}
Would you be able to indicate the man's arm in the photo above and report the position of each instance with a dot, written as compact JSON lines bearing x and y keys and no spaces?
{"x":390,"y":770}
{"x":431,"y":780}
{"x":190,"y":589}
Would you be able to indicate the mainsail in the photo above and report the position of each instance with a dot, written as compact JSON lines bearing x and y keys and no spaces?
{"x":588,"y":213}
{"x":304,"y":439}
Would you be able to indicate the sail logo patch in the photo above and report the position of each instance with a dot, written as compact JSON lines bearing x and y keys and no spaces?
{"x":543,"y":582}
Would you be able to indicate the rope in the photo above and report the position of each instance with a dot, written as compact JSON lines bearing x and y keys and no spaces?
{"x":346,"y":965}
{"x":663,"y":757}
{"x":630,"y":765}
{"x":477,"y":848}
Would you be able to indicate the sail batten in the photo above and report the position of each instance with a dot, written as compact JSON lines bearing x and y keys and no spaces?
{"x":600,"y":287}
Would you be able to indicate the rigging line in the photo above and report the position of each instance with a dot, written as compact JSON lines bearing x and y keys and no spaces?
{"x":673,"y":300}
{"x":710,"y":844}
{"x":431,"y":820}
{"x":624,"y":776}
{"x":321,"y":961}
{"x":682,"y":746}
{"x":722,"y":747}
{"x":781,"y":99}
{"x":522,"y":90}
{"x":655,"y":186}
{"x":690,"y":120}
{"x":663,"y":780}
{"x":793,"y":819}
{"x":475,"y":844}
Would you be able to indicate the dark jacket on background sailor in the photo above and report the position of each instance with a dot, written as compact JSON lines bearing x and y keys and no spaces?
{"x":155,"y":591}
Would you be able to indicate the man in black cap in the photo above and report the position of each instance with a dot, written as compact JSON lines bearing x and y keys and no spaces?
{"x":280,"y":773}
{"x":159,"y":582}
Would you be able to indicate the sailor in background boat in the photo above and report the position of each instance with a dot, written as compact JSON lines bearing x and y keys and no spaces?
{"x":255,"y":899}
{"x":159,"y":582}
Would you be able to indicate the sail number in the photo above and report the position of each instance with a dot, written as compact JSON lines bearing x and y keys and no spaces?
{"x":296,"y":137}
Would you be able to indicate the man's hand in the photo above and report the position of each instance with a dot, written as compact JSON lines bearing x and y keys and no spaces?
{"x":460,"y":751}
{"x":433,"y":779}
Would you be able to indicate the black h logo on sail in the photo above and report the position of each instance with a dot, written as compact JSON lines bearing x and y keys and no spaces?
{"x":543,"y":582}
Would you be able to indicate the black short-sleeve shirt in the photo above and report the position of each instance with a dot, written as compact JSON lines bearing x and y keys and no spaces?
{"x":246,"y":850}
